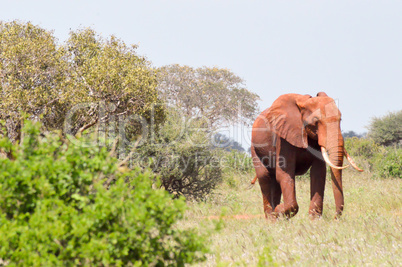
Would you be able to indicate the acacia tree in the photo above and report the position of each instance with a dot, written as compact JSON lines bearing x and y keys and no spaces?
{"x":110,"y":78}
{"x":215,"y":94}
{"x":89,"y":79}
{"x":32,"y":75}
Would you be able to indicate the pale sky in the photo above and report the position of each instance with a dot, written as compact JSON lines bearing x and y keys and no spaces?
{"x":352,"y":50}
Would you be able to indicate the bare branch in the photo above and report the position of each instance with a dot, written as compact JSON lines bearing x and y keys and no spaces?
{"x":83,"y":128}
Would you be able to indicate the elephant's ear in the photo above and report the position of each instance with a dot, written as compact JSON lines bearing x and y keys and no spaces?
{"x":285,"y":117}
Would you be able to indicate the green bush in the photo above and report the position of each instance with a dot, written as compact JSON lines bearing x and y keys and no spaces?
{"x":389,"y":163}
{"x":382,"y":161}
{"x":181,"y":155}
{"x":362,"y":147}
{"x":56,"y":211}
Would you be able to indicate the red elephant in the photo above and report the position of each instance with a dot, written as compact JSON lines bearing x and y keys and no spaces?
{"x":298,"y":133}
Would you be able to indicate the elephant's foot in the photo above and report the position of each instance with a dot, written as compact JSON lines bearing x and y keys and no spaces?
{"x":272,"y":216}
{"x":338,"y":215}
{"x":280,"y":209}
{"x":288,"y":211}
{"x":314,"y":215}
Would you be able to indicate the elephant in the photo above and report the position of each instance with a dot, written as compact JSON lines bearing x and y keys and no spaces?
{"x":298,"y":133}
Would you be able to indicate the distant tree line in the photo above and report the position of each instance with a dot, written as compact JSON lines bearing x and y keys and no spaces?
{"x":222,"y":141}
{"x":350,"y":134}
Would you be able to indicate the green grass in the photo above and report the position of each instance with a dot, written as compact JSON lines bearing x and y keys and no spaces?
{"x":368,"y":234}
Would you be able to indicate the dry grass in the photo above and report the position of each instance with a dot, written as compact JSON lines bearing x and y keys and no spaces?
{"x":368,"y":234}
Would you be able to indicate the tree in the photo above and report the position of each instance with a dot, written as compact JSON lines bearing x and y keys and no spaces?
{"x":111,"y":79}
{"x":32,"y":75}
{"x":387,"y":130}
{"x":88,"y":80}
{"x":217,"y":95}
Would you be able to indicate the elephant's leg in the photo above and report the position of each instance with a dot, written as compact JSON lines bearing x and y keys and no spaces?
{"x":267,"y":183}
{"x":276,"y":192}
{"x":289,"y":207}
{"x":271,"y":194}
{"x":285,"y":175}
{"x":317,"y":187}
{"x":266,"y":190}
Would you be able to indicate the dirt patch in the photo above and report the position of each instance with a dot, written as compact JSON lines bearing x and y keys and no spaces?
{"x":235,"y":217}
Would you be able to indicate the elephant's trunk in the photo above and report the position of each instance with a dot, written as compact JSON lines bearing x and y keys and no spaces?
{"x":336,"y":153}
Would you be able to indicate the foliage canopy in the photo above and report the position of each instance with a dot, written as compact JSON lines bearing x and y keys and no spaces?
{"x":32,"y":75}
{"x":387,"y":130}
{"x":88,"y":79}
{"x":218,"y":95}
{"x":109,"y":79}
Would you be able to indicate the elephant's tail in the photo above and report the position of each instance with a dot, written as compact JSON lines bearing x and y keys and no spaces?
{"x":252,"y":183}
{"x":254,"y":180}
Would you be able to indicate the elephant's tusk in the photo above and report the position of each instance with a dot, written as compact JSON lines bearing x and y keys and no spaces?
{"x":351,"y":161}
{"x":326,"y":158}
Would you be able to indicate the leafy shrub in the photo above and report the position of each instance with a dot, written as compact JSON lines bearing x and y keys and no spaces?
{"x":181,"y":155}
{"x":362,"y":147}
{"x":382,"y":161}
{"x":56,"y":211}
{"x":389,"y":164}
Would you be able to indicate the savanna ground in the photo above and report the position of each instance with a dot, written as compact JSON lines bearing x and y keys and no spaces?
{"x":368,"y":234}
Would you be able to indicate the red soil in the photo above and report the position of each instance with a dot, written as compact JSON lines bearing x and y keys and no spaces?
{"x":235,"y":217}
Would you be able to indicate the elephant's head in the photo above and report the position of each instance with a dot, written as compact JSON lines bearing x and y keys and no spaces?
{"x":296,"y":118}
